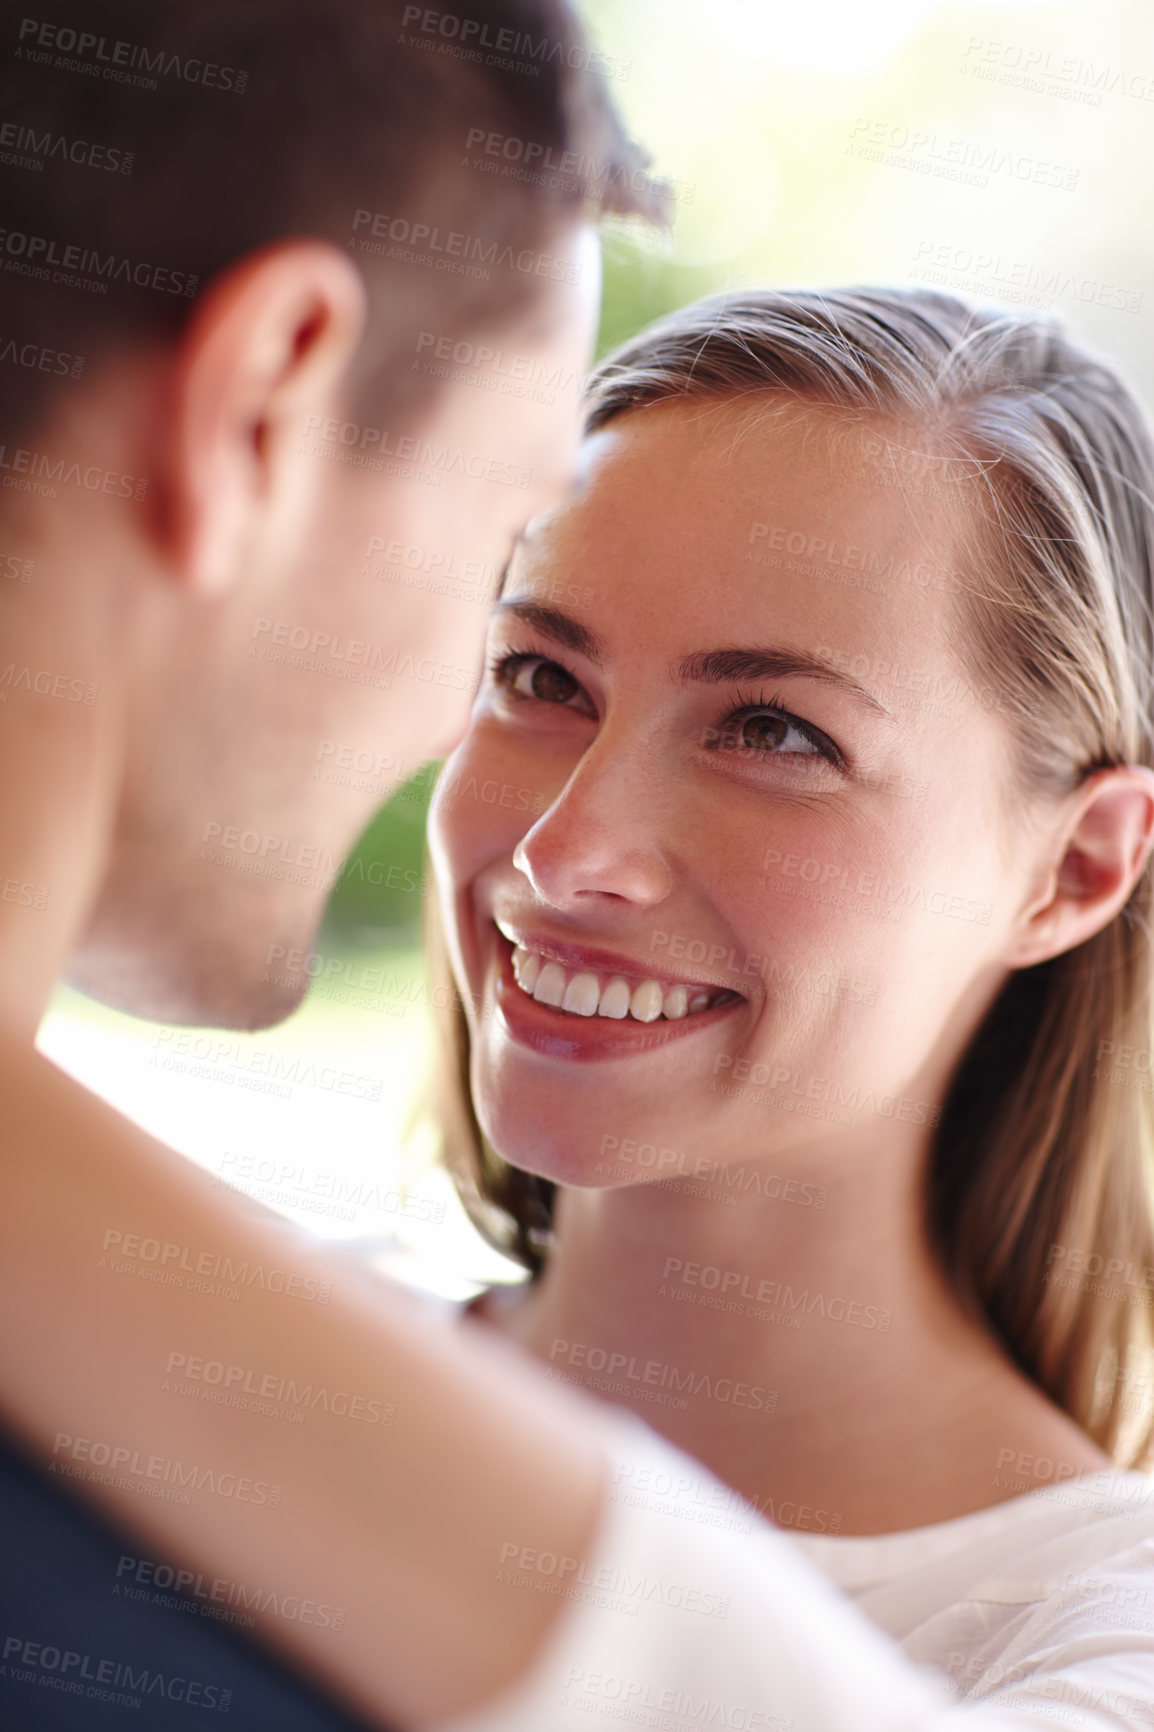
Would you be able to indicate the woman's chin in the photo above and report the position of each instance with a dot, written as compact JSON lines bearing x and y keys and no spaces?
{"x":552,"y":1139}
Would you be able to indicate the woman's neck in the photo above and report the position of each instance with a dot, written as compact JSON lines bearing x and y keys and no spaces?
{"x":806,"y":1350}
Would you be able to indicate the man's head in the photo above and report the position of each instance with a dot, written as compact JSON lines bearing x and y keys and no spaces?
{"x":332,"y":270}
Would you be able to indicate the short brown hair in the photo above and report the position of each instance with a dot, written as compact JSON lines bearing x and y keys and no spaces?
{"x":211,"y":129}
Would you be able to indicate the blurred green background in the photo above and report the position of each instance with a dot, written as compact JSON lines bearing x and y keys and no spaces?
{"x":1003,"y":150}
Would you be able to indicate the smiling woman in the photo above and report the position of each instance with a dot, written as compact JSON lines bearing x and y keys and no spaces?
{"x":831,"y":866}
{"x":790,"y":1002}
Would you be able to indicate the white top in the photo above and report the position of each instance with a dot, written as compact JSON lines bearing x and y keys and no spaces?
{"x":694,"y":1612}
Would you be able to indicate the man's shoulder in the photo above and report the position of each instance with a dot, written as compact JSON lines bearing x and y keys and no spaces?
{"x":93,"y":1627}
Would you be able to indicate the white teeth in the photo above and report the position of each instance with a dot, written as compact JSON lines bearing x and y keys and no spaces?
{"x":615,"y":999}
{"x":526,"y":968}
{"x":550,"y":987}
{"x":647,"y":1001}
{"x":582,"y":994}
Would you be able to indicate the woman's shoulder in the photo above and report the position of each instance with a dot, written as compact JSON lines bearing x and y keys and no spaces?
{"x":1023,"y":1549}
{"x":1097,"y":1528}
{"x":1061,"y":1546}
{"x":1069,"y":1617}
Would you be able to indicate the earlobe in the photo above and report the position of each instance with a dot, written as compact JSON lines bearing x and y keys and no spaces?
{"x":271,"y":341}
{"x":1104,"y":849}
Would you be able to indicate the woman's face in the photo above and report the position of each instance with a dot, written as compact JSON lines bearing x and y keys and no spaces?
{"x":729,"y":794}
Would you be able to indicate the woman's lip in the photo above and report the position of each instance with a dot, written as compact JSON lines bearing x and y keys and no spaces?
{"x":585,"y":1039}
{"x":594,"y":961}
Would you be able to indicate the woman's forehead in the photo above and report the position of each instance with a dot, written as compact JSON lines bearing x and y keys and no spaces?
{"x":685,"y":496}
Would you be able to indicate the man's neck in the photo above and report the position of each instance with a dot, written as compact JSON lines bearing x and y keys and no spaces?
{"x":61,"y":725}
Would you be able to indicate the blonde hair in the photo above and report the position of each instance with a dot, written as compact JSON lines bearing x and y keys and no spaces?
{"x":1040,"y":1178}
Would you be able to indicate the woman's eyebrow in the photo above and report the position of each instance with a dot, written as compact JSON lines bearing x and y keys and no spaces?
{"x":560,"y":626}
{"x":723,"y":666}
{"x":711,"y":667}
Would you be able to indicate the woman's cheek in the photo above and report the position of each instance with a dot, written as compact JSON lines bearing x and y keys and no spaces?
{"x":486,"y":801}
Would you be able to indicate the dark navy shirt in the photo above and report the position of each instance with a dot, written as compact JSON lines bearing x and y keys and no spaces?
{"x":95,"y":1637}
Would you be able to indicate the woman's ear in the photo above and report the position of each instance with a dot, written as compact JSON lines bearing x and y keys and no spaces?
{"x":270,"y":345}
{"x":1098,"y":856}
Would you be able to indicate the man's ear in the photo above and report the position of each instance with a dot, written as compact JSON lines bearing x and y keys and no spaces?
{"x":268,"y":345}
{"x":1099,"y":855}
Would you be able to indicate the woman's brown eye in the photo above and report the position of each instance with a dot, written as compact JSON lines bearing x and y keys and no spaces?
{"x":760,"y":731}
{"x":549,"y":682}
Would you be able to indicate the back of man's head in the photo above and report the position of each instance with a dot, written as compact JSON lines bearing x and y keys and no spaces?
{"x":151,"y":143}
{"x":237,"y":238}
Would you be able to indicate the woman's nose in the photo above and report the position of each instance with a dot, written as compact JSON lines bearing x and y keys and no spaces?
{"x":600,"y":837}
